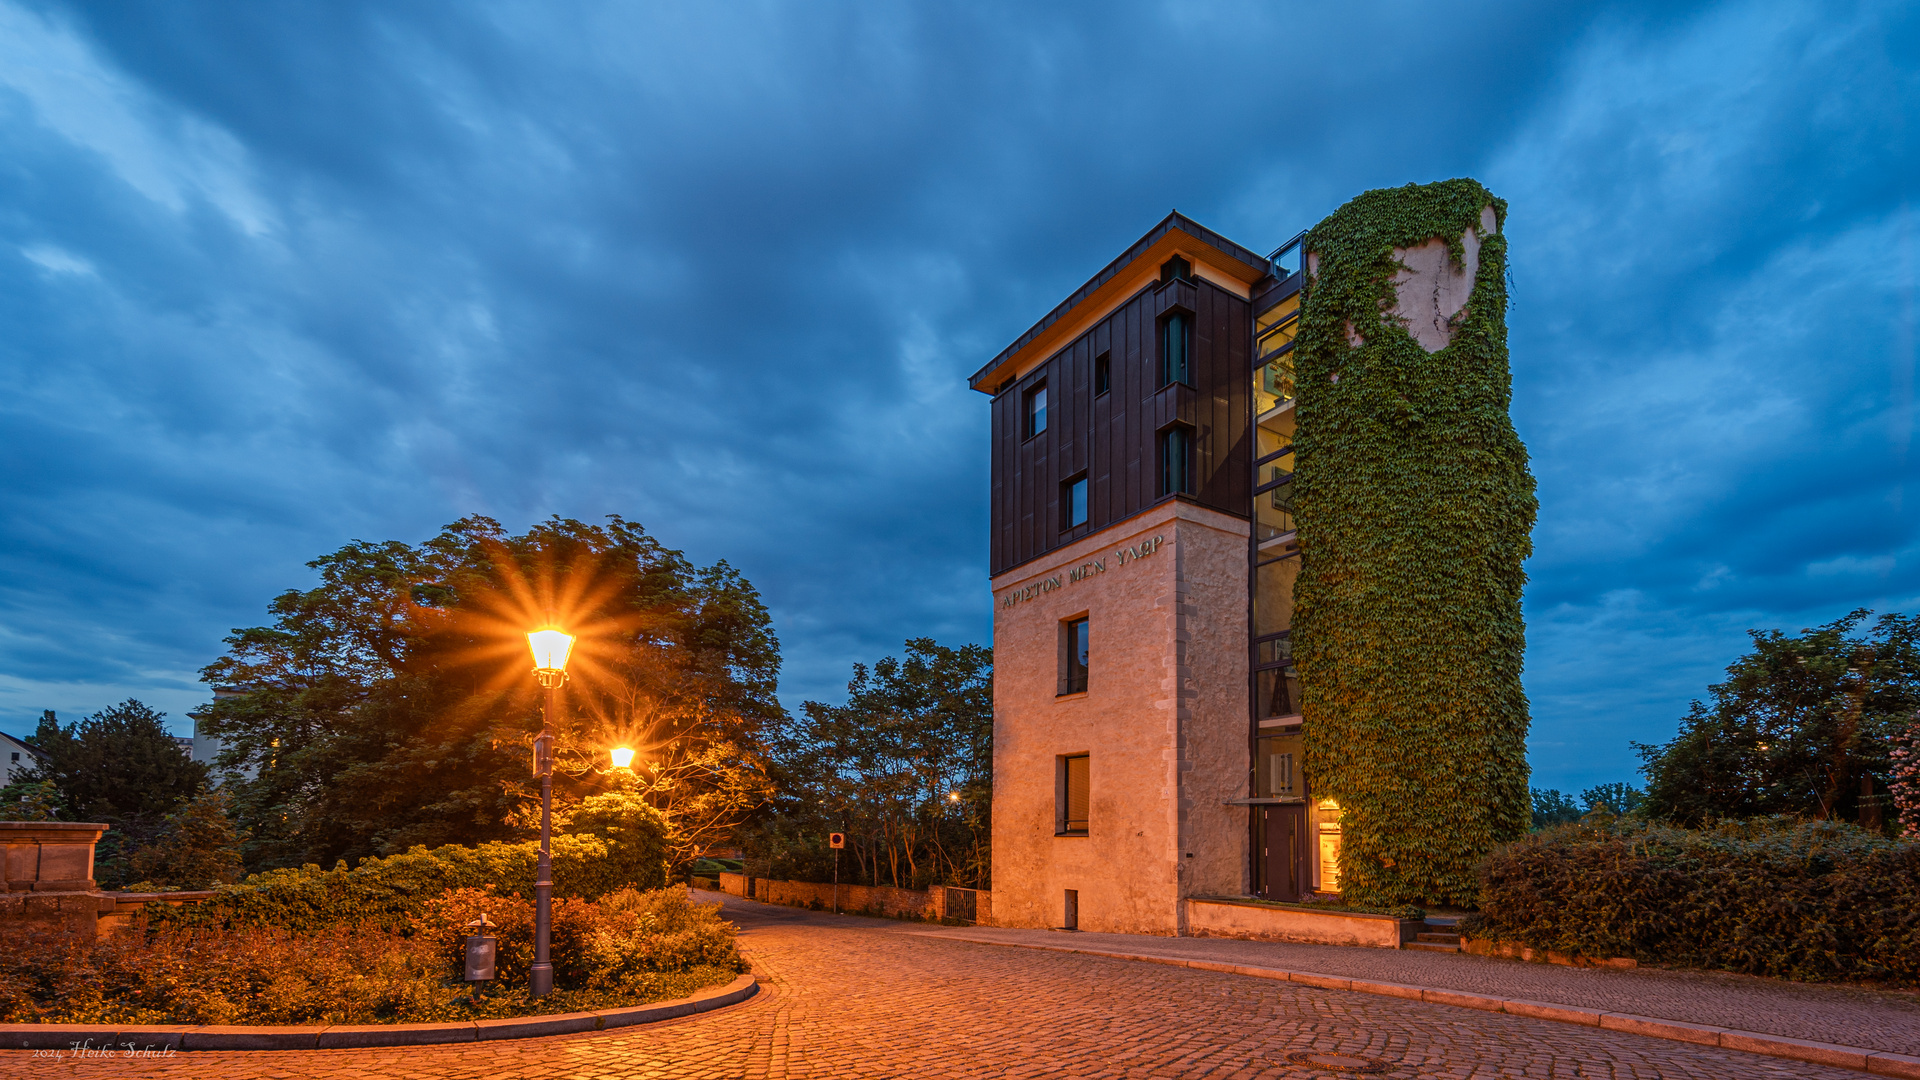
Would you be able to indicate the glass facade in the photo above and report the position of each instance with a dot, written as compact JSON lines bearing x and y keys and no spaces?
{"x":1280,"y":778}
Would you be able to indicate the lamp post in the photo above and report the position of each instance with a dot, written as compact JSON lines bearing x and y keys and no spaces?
{"x":550,"y":648}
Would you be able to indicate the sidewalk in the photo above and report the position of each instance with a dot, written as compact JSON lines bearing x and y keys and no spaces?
{"x":1845,"y":1016}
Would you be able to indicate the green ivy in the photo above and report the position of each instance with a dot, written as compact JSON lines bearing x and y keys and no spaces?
{"x":1415,"y":507}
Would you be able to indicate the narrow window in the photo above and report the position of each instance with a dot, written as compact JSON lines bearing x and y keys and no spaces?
{"x":1176,"y":341}
{"x":1073,"y":656}
{"x":1036,"y":410}
{"x":1176,"y":269}
{"x":1102,"y":374}
{"x":1073,"y":500}
{"x":1176,"y":461}
{"x":1070,"y":786}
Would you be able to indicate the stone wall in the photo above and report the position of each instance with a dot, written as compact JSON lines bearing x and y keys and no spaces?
{"x":878,"y":900}
{"x":1163,"y":722}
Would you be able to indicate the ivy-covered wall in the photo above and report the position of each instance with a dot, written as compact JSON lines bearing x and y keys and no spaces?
{"x":1415,"y":508}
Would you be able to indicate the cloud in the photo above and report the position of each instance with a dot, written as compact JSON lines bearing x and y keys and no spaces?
{"x":300,"y":274}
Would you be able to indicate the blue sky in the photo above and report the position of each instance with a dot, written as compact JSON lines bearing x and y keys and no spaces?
{"x":275,"y":277}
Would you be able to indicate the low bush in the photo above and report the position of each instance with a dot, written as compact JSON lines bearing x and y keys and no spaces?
{"x":1778,"y":897}
{"x":390,"y":891}
{"x":628,"y":949}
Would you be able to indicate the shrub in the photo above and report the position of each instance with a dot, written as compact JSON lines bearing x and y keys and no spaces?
{"x":389,"y":891}
{"x":251,"y":975}
{"x":631,"y":947}
{"x":1799,"y":900}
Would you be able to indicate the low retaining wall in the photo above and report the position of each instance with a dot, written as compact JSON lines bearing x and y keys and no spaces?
{"x":1512,"y":951}
{"x":936,"y":904}
{"x":856,"y":899}
{"x":1209,"y":917}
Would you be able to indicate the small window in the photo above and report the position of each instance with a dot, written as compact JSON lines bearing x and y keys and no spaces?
{"x":1073,"y":501}
{"x":16,"y":756}
{"x":1071,"y":787}
{"x":1176,"y":349}
{"x":1036,"y":410}
{"x":1073,"y":656}
{"x":1176,"y":269}
{"x":1102,"y":374}
{"x":1176,"y":461}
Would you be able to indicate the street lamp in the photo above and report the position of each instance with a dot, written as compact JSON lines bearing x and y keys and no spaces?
{"x":550,"y":648}
{"x":622,"y":757}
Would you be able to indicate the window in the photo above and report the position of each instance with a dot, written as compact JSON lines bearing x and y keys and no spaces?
{"x":16,"y":756}
{"x":1176,"y":341}
{"x":1102,"y":374}
{"x":1176,"y":269}
{"x":1176,"y":461}
{"x":1073,"y":656}
{"x":1071,"y":801}
{"x":1036,"y":410}
{"x":1073,"y":501}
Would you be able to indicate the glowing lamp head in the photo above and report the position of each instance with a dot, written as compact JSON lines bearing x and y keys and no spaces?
{"x":550,"y":649}
{"x":622,"y":757}
{"x":953,"y":796}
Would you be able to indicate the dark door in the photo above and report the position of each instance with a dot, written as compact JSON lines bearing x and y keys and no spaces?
{"x":963,"y":904}
{"x":1285,"y":872}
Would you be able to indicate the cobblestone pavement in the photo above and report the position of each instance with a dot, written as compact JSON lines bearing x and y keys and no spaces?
{"x":856,"y":998}
{"x":1851,"y":1016}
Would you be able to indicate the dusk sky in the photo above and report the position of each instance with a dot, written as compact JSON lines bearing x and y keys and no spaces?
{"x":274,"y":277}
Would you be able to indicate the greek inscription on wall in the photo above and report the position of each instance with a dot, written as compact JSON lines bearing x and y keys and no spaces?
{"x":1121,"y":557}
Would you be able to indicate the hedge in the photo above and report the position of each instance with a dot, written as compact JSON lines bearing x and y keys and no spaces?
{"x":1799,"y":900}
{"x":389,"y":892}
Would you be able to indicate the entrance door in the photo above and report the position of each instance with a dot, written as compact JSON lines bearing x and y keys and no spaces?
{"x":1285,"y":839}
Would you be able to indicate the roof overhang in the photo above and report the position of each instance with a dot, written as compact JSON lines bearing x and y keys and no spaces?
{"x":1212,"y":255}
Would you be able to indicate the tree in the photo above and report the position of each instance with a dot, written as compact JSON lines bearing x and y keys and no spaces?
{"x":392,"y":704}
{"x":119,"y":764}
{"x":197,"y":847}
{"x":904,"y":768}
{"x":30,"y":800}
{"x":1802,"y":725}
{"x":1551,"y":806}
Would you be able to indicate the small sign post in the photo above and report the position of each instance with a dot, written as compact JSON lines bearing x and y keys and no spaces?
{"x":836,"y":841}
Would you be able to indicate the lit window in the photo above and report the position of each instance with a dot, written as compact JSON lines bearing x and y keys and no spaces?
{"x":1176,"y":347}
{"x":1036,"y":410}
{"x":1073,"y":656}
{"x":1176,"y":461}
{"x":1074,"y":501}
{"x":1072,"y":801}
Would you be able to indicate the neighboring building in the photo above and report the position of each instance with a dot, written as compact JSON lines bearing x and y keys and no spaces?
{"x":206,"y":749}
{"x":1147,"y":728}
{"x":15,"y":757}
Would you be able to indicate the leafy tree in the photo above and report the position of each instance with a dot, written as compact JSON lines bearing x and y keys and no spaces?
{"x":117,"y":765}
{"x":30,"y":800}
{"x":1616,"y":799}
{"x":391,"y":705}
{"x":197,"y":848}
{"x":1552,"y":806}
{"x":905,"y":768}
{"x":1802,"y":725}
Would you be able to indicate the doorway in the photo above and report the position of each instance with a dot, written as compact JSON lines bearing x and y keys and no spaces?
{"x":1286,"y":869}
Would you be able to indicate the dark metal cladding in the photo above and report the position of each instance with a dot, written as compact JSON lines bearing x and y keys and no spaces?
{"x":1113,"y":438}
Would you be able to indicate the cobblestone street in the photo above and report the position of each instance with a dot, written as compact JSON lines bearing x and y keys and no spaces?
{"x":847,"y":997}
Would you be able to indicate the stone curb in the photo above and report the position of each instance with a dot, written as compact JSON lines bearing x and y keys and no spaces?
{"x":1873,"y":1062}
{"x":124,"y":1040}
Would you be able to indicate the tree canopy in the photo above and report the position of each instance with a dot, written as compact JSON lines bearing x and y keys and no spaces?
{"x":1804,"y":725}
{"x":904,"y":768}
{"x":120,"y":763}
{"x":393,"y":704}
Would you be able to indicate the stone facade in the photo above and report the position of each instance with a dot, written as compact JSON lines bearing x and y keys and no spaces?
{"x":1163,"y":722}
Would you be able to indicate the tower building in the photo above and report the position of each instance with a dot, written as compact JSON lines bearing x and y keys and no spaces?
{"x":1151,"y":734}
